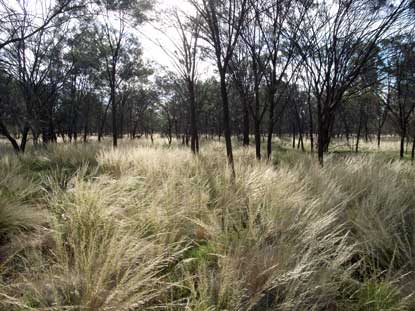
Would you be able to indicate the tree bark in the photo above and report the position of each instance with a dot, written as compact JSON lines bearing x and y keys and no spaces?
{"x":402,"y":145}
{"x":114,"y":110}
{"x":245,"y":123}
{"x":226,"y":121}
{"x":13,"y":141}
{"x":194,"y":145}
{"x":311,"y":129}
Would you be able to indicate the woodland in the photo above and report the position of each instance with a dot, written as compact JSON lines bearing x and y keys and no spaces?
{"x":268,"y":166}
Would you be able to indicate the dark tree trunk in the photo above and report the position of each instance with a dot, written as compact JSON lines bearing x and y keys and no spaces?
{"x":358,"y":138}
{"x":301,"y":140}
{"x":86,"y":125}
{"x":24,"y":138}
{"x":325,"y":125}
{"x":245,"y":123}
{"x":323,"y":140}
{"x":257,"y":140}
{"x":359,"y":130}
{"x":310,"y":115}
{"x":6,"y":133}
{"x":103,"y":121}
{"x":114,"y":115}
{"x":402,"y":146}
{"x":270,"y":128}
{"x":194,"y":145}
{"x":121,"y":124}
{"x":226,"y":121}
{"x":379,"y":135}
{"x":294,"y":134}
{"x":169,"y":131}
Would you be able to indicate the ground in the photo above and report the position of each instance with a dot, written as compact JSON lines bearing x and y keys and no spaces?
{"x":148,"y":226}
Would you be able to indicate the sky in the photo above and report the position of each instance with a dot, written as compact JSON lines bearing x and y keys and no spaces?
{"x":151,"y":36}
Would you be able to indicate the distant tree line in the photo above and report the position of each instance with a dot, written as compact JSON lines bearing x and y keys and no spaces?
{"x":316,"y":70}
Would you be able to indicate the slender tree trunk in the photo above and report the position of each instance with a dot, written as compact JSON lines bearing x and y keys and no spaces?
{"x":301,"y":140}
{"x":24,"y":138}
{"x":257,"y":117}
{"x":114,"y":114}
{"x":226,"y":121}
{"x":121,"y":124}
{"x":270,"y":127}
{"x":245,"y":123}
{"x":359,"y":130}
{"x":170,"y":138}
{"x":358,"y":139}
{"x":86,"y":125}
{"x":193,"y":119}
{"x":257,"y":140}
{"x":402,"y":147}
{"x":103,"y":120}
{"x":294,"y":134}
{"x":379,"y":135}
{"x":310,"y":115}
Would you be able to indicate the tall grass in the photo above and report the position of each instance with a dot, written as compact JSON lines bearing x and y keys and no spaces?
{"x":154,"y":227}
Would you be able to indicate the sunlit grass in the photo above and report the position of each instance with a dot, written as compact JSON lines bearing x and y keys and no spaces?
{"x":150,"y":226}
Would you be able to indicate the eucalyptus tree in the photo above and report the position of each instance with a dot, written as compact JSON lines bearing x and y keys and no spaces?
{"x":170,"y":104}
{"x":12,"y":111}
{"x":253,"y":37}
{"x":115,"y":22}
{"x":185,"y":57}
{"x":242,"y":81}
{"x":22,"y":19}
{"x":279,"y":21}
{"x":336,"y":41}
{"x":399,"y":69}
{"x":222,"y":22}
{"x":36,"y":64}
{"x":83,"y":86}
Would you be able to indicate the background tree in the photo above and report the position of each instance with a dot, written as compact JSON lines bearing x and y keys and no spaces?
{"x":336,"y":41}
{"x":221,"y":28}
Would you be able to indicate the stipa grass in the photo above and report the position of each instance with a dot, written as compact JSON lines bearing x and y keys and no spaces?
{"x":146,"y":227}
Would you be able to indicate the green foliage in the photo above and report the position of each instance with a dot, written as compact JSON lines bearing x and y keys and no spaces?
{"x":378,"y":295}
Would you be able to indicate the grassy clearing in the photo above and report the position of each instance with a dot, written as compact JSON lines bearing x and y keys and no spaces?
{"x":85,"y":227}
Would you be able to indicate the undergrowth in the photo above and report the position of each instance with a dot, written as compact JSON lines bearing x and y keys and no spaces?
{"x":85,"y":227}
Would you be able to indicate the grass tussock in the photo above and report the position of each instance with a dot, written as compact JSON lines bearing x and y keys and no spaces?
{"x":149,"y":227}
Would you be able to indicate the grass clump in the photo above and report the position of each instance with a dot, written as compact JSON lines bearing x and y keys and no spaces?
{"x":145,"y":227}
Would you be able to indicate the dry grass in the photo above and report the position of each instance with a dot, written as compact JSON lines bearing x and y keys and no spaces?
{"x":150,"y":227}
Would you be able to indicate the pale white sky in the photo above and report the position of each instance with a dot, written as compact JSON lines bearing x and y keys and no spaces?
{"x":152,"y":51}
{"x":148,"y":33}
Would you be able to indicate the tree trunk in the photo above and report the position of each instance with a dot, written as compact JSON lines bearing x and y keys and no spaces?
{"x":13,"y":141}
{"x":226,"y":121}
{"x":301,"y":140}
{"x":325,"y":124}
{"x":257,"y":140}
{"x":193,"y":119}
{"x":310,"y":113}
{"x":24,"y":138}
{"x":245,"y":123}
{"x":270,"y":128}
{"x":402,"y":148}
{"x":114,"y":116}
{"x":103,"y":120}
{"x":359,"y":130}
{"x":294,"y":133}
{"x":379,"y":134}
